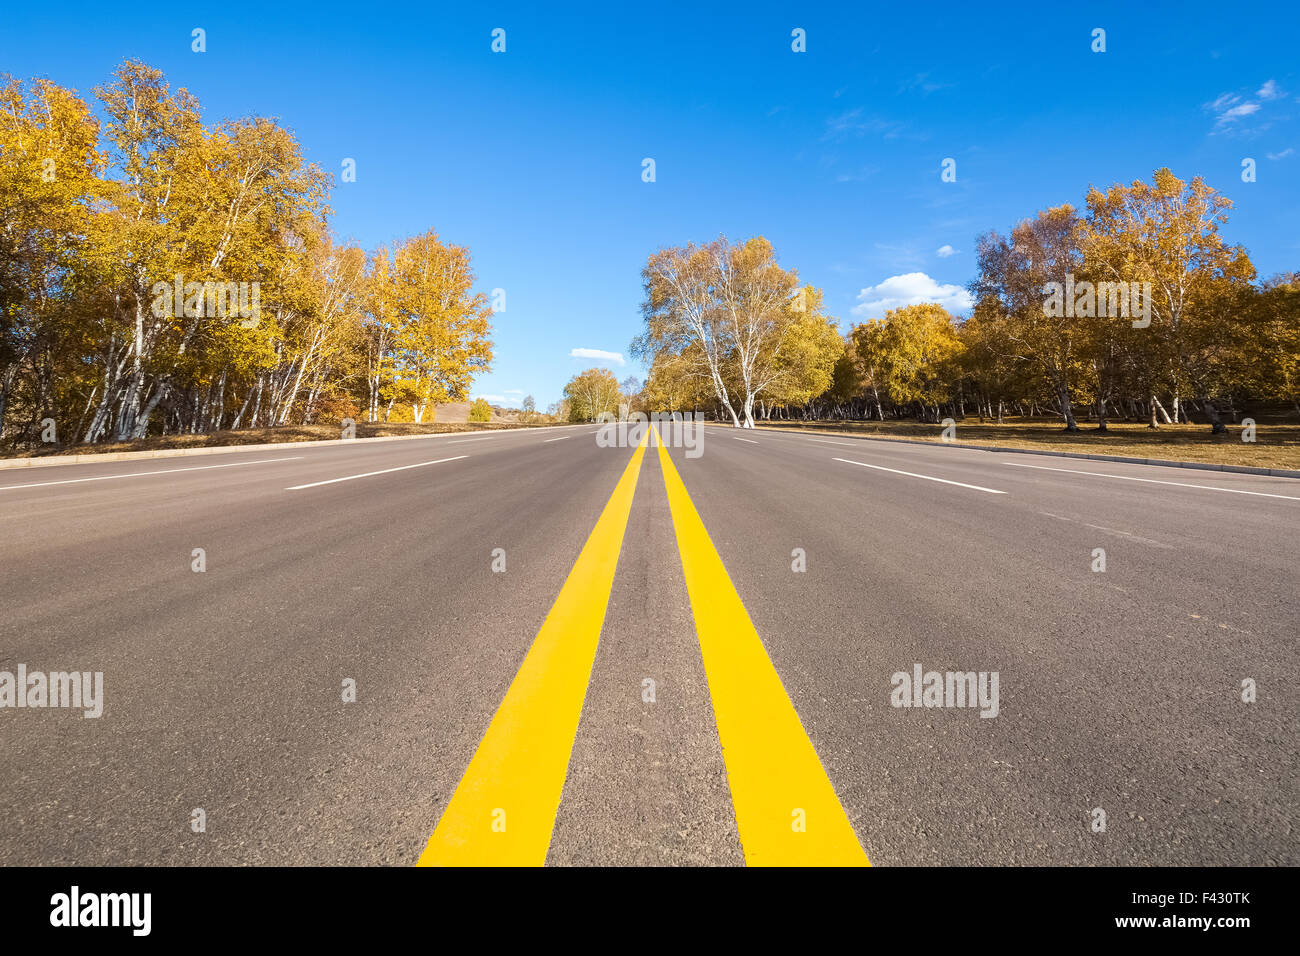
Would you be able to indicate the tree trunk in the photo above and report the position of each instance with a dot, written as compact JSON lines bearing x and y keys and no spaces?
{"x":1216,"y":422}
{"x":749,"y":411}
{"x":1160,"y":408}
{"x":1067,"y":410}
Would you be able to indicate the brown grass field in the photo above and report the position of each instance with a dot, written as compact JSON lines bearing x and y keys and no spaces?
{"x":1275,"y":446}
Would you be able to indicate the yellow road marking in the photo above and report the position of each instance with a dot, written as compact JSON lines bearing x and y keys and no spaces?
{"x":777,"y":781}
{"x":503,"y":810}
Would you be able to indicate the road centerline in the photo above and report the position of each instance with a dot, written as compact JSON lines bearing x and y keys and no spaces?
{"x":913,"y":474}
{"x":787,"y":811}
{"x":503,"y":810}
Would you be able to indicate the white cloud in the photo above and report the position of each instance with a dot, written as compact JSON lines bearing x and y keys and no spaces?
{"x":1228,"y":108}
{"x":944,"y":251}
{"x":1245,"y":109}
{"x":912,"y":288}
{"x":614,"y":357}
{"x":1282,"y":155}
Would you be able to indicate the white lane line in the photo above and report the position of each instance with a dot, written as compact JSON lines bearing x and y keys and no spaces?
{"x":1154,"y":481}
{"x":385,"y":471}
{"x":141,"y":474}
{"x":561,"y":438}
{"x":824,"y":441}
{"x":912,"y":474}
{"x":750,"y":440}
{"x":1096,"y":527}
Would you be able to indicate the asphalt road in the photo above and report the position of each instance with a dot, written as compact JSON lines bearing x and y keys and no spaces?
{"x":734,"y":709}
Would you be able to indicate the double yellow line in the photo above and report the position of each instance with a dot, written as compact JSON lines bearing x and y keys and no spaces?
{"x":503,"y":812}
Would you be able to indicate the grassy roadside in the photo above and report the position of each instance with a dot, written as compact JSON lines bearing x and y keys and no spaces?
{"x":266,"y":436}
{"x":1275,"y":446}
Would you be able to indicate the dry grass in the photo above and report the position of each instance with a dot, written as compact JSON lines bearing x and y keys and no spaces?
{"x":1275,"y":446}
{"x":261,"y":436}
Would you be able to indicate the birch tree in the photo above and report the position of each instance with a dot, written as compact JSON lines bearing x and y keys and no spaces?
{"x":741,"y":317}
{"x":1167,"y":233}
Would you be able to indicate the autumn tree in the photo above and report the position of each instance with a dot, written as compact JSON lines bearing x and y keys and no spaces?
{"x":991,"y":363}
{"x":437,"y":326}
{"x":676,"y":383}
{"x":592,"y":393}
{"x":51,"y":166}
{"x":1166,"y":233}
{"x":1268,"y":329}
{"x":913,"y":352}
{"x":741,"y":319}
{"x":848,"y":380}
{"x":1014,"y":273}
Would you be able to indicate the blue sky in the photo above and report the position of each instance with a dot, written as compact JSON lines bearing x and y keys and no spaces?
{"x":533,"y":157}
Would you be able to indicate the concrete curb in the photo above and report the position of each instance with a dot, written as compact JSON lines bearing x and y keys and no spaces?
{"x":1163,"y":462}
{"x":90,"y":458}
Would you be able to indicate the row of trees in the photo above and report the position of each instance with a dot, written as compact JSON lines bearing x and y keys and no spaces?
{"x":160,"y":275}
{"x":1135,"y":309}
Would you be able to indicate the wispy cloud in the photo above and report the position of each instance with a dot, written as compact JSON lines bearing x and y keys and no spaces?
{"x":944,"y":251}
{"x":1222,"y":102}
{"x":860,"y":175}
{"x":614,"y":357}
{"x":1269,"y":91}
{"x":1229,"y":109}
{"x":924,"y":84}
{"x":1282,"y":155}
{"x":912,"y":288}
{"x":855,"y":124}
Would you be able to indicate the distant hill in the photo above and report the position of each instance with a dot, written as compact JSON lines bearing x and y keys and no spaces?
{"x":452,"y":413}
{"x":455,"y":413}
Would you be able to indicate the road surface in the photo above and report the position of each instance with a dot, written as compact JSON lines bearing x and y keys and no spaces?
{"x":689,"y":697}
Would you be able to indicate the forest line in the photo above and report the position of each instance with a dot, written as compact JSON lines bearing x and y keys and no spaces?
{"x":1136,"y":309}
{"x":159,"y":275}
